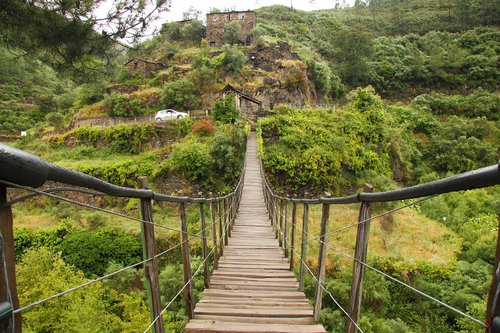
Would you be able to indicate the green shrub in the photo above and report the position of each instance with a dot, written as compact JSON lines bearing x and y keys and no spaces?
{"x":181,"y":95}
{"x":192,"y":159}
{"x":225,"y":111}
{"x":92,"y":252}
{"x":122,"y":105}
{"x":233,"y":59}
{"x":227,"y":150}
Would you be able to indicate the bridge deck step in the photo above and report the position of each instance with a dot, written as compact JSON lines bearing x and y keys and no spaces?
{"x":215,"y":326}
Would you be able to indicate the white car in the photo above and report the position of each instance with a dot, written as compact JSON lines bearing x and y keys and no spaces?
{"x":168,"y":114}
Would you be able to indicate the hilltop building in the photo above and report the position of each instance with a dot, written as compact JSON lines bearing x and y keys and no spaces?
{"x":216,"y":26}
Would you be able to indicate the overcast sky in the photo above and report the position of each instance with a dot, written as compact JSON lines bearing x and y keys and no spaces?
{"x":180,"y":6}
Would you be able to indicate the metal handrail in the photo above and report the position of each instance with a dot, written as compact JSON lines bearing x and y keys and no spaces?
{"x":26,"y":169}
{"x":484,"y":177}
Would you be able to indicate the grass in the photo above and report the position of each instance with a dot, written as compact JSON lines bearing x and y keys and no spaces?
{"x":407,"y":236}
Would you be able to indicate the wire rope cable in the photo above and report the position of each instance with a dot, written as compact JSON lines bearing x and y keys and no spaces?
{"x":477,"y":321}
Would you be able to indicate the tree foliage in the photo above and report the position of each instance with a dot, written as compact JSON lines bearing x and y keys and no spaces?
{"x":233,"y":33}
{"x":225,"y":110}
{"x":48,"y":29}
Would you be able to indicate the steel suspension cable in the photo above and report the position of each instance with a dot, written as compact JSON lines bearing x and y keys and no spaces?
{"x":374,"y":217}
{"x":187,"y":283}
{"x":81,"y":204}
{"x":477,"y":321}
{"x":323,"y":287}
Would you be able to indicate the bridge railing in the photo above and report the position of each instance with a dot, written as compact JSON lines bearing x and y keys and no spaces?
{"x":23,"y":172}
{"x":284,"y":213}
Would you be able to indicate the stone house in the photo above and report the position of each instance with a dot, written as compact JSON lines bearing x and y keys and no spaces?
{"x":249,"y":107}
{"x":216,"y":26}
{"x":143,"y":67}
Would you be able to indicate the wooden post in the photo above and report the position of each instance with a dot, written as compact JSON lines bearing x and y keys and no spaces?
{"x":276,"y":217}
{"x":493,"y":305}
{"x":188,"y":291}
{"x":303,"y":249}
{"x":221,"y":228}
{"x":280,"y":229}
{"x":358,"y":269}
{"x":285,"y":238}
{"x":229,"y":211}
{"x":226,"y":218}
{"x":214,"y":233}
{"x":204,"y":250}
{"x":149,"y":251}
{"x":7,"y":232}
{"x":292,"y":242}
{"x":321,"y":261}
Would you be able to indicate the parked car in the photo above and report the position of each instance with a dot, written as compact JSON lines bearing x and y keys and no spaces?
{"x":168,"y":114}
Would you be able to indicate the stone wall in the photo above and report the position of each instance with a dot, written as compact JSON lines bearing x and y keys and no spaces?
{"x":217,"y":21}
{"x":144,"y":67}
{"x":269,"y":58}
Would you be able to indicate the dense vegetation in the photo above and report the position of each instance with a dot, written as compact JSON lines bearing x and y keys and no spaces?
{"x":374,"y":141}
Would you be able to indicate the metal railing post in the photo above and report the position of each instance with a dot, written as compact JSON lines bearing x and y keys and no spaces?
{"x":8,"y":289}
{"x":204,"y":250}
{"x":358,"y":269}
{"x":321,"y":261}
{"x":149,"y":251}
{"x":303,"y":248}
{"x":292,"y":241}
{"x":188,"y":291}
{"x":214,"y":232}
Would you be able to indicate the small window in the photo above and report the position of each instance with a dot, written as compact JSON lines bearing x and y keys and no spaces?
{"x":228,"y":17}
{"x":216,"y":18}
{"x":212,"y":43}
{"x":242,"y":16}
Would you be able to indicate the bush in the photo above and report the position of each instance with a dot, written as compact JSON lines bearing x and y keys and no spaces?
{"x":203,"y":127}
{"x":192,"y":159}
{"x":233,"y":60}
{"x":181,"y":95}
{"x":121,"y":105}
{"x":92,"y":252}
{"x":225,"y":111}
{"x":228,"y":150}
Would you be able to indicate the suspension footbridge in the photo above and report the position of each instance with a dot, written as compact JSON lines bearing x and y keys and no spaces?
{"x":253,"y":234}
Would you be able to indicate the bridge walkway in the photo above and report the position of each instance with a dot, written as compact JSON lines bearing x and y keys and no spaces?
{"x":253,"y":289}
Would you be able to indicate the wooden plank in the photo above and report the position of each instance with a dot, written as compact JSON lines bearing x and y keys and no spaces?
{"x":252,"y":301}
{"x":255,"y":294}
{"x":212,"y":326}
{"x":262,"y":312}
{"x":308,"y":320}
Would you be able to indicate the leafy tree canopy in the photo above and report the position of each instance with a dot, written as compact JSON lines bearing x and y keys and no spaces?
{"x":71,"y":34}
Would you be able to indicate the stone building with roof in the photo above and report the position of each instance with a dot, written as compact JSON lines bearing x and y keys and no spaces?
{"x":249,"y":107}
{"x":216,"y":26}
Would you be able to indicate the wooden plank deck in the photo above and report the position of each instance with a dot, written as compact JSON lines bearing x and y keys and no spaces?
{"x":253,"y":289}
